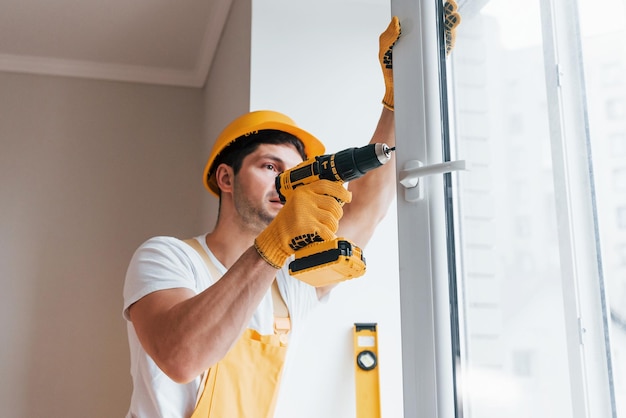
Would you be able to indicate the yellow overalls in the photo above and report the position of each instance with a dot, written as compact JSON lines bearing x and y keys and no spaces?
{"x":244,"y":384}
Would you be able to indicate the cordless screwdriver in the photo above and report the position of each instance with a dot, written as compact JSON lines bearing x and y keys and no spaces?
{"x":328,"y":262}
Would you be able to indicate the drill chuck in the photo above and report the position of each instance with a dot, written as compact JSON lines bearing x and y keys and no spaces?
{"x":353,"y":163}
{"x":343,"y":166}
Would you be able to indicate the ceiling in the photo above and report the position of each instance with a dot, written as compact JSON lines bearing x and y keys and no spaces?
{"x":147,"y":41}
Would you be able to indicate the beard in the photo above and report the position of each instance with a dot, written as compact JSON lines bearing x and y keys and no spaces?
{"x":253,"y":215}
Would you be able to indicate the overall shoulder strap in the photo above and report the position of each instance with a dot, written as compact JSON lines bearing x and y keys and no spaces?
{"x":193,"y":243}
{"x":282,"y":323}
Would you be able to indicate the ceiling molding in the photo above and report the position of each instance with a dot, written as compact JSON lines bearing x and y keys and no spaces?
{"x":101,"y":71}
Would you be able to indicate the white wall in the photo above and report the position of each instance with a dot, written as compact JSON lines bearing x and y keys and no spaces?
{"x":319,"y":64}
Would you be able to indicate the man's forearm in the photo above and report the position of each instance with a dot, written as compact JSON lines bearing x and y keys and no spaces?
{"x":193,"y":334}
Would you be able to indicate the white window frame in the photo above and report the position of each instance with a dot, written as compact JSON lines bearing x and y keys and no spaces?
{"x":428,"y":370}
{"x":584,"y":298}
{"x":426,"y":342}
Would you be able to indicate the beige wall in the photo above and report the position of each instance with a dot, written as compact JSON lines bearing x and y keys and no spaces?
{"x":89,"y":170}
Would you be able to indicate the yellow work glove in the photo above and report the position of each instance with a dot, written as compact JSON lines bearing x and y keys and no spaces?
{"x":311,"y":214}
{"x":452,"y":20}
{"x":386,"y":41}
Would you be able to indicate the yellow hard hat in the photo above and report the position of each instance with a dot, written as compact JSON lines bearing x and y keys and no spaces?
{"x":251,"y":123}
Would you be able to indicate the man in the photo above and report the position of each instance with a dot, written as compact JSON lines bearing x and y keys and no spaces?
{"x":208,"y":316}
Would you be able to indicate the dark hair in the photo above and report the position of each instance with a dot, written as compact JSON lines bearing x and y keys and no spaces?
{"x":234,"y":154}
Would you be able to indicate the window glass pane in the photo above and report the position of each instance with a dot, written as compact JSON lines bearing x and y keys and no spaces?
{"x":514,"y":342}
{"x":605,"y":72}
{"x":617,"y":143}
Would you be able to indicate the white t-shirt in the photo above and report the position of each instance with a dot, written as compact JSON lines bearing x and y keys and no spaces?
{"x":166,"y":263}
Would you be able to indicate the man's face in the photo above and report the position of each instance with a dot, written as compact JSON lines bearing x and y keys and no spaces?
{"x":254,"y":191}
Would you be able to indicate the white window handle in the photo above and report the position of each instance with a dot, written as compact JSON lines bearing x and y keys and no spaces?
{"x":414,"y":169}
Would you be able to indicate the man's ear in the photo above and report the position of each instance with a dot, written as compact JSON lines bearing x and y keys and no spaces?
{"x":224,"y":177}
